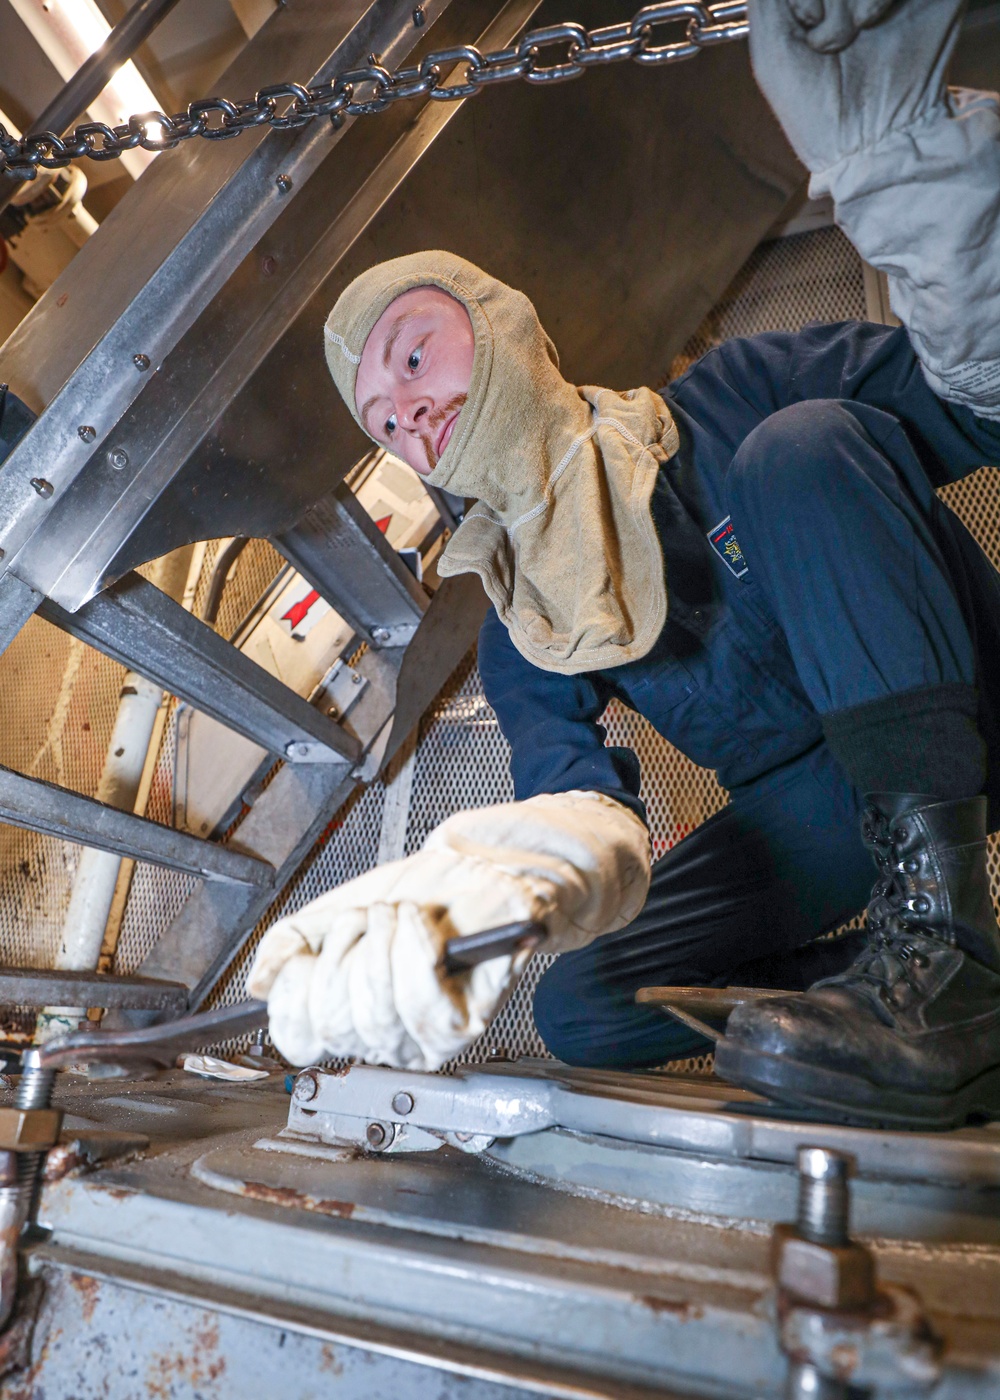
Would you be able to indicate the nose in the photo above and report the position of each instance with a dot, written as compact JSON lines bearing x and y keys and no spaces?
{"x":412,"y":412}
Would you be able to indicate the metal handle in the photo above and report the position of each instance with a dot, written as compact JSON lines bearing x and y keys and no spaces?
{"x":160,"y":1044}
{"x":474,"y":948}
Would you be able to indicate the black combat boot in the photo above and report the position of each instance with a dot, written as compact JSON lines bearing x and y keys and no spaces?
{"x":909,"y":1035}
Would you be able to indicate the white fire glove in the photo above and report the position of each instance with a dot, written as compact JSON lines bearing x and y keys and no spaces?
{"x":913,"y":169}
{"x":830,"y":25}
{"x":358,"y":971}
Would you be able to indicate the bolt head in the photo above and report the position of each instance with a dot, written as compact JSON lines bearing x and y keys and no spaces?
{"x":283,"y":183}
{"x":43,"y":487}
{"x":380,"y":635}
{"x":141,"y":363}
{"x":355,"y":679}
{"x":118,"y":459}
{"x":306,"y":1087}
{"x":402,"y":1103}
{"x":86,"y":432}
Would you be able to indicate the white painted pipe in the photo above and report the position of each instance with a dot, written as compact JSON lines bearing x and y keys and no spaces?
{"x":97,"y":872}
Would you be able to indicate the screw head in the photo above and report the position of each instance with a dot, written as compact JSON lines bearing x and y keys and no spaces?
{"x":118,"y":459}
{"x":306,"y":1087}
{"x":402,"y":1103}
{"x":419,"y":18}
{"x":141,"y":363}
{"x":283,"y":183}
{"x":376,"y":1136}
{"x":43,"y":487}
{"x":86,"y":432}
{"x":380,"y":635}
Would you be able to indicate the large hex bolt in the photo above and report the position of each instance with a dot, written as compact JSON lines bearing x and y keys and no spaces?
{"x":817,"y":1264}
{"x":815,"y":1260}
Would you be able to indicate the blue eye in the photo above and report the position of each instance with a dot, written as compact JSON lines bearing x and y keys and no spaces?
{"x":414,"y":358}
{"x":390,"y":425}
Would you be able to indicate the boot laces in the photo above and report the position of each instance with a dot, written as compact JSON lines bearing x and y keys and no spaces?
{"x":891,"y":955}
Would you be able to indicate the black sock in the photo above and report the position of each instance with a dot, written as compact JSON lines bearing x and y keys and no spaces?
{"x":924,"y":740}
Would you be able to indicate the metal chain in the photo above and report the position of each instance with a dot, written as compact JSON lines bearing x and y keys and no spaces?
{"x":289,"y":105}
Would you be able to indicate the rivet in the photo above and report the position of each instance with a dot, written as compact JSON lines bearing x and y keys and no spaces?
{"x":118,"y":459}
{"x":86,"y":432}
{"x":402,"y":1103}
{"x":43,"y":487}
{"x":284,"y":183}
{"x":297,"y":749}
{"x":419,"y":18}
{"x":141,"y":363}
{"x":375,"y":1135}
{"x":333,"y":712}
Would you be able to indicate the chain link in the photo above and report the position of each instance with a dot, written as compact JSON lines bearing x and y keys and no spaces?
{"x":552,"y":54}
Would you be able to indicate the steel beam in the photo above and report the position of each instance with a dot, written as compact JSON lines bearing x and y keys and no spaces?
{"x":294,"y":811}
{"x":17,"y":603}
{"x":42,"y":987}
{"x":56,"y":811}
{"x":147,"y":631}
{"x":203,"y":208}
{"x":341,"y":551}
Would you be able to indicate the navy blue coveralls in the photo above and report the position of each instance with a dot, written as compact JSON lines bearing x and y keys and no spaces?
{"x":810,"y":568}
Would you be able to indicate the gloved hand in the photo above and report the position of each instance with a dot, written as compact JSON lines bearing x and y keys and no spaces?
{"x":357,"y":972}
{"x":913,"y":170}
{"x":830,"y":25}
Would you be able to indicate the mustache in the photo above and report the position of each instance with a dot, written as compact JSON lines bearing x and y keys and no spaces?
{"x":434,"y":421}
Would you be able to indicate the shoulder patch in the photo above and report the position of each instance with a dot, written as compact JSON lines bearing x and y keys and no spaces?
{"x":723,"y":540}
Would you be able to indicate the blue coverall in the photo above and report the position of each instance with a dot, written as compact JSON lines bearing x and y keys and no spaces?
{"x":810,"y":568}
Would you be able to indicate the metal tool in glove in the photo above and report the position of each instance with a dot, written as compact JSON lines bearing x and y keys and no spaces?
{"x":158,"y":1046}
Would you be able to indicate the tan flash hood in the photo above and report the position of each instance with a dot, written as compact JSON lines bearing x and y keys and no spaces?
{"x":561,"y":534}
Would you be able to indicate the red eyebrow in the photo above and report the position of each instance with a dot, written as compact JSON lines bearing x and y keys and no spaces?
{"x":396,"y":332}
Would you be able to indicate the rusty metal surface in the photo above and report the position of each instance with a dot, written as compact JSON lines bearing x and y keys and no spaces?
{"x":470,"y":1266}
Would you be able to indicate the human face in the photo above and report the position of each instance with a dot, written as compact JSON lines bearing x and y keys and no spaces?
{"x":414,"y":375}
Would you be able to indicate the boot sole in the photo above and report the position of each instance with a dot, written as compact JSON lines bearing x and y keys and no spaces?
{"x":853,"y":1100}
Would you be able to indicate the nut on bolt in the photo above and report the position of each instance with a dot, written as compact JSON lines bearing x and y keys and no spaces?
{"x":815,"y":1260}
{"x":830,"y":1276}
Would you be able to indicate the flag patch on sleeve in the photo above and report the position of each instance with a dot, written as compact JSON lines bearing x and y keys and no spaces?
{"x":723,"y":540}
